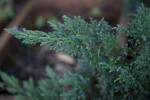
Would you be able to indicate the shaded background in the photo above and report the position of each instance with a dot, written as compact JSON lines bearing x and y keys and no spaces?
{"x":24,"y":61}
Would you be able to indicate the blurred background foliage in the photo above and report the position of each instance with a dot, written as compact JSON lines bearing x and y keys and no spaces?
{"x":6,"y":9}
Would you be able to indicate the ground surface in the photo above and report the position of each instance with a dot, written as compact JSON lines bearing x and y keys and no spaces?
{"x":6,"y":97}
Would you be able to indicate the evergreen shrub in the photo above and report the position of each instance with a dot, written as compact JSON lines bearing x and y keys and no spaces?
{"x":108,"y":72}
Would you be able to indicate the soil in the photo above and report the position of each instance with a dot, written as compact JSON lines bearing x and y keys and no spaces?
{"x":6,"y":97}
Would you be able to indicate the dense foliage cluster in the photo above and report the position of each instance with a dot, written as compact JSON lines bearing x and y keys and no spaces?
{"x":108,"y":72}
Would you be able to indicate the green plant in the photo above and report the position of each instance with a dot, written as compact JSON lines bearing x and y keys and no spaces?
{"x":95,"y":12}
{"x":6,"y":9}
{"x":132,"y":5}
{"x":48,"y":89}
{"x":39,"y":23}
{"x":108,"y":72}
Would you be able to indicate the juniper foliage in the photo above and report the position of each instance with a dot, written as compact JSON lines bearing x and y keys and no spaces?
{"x":48,"y":89}
{"x":108,"y":72}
